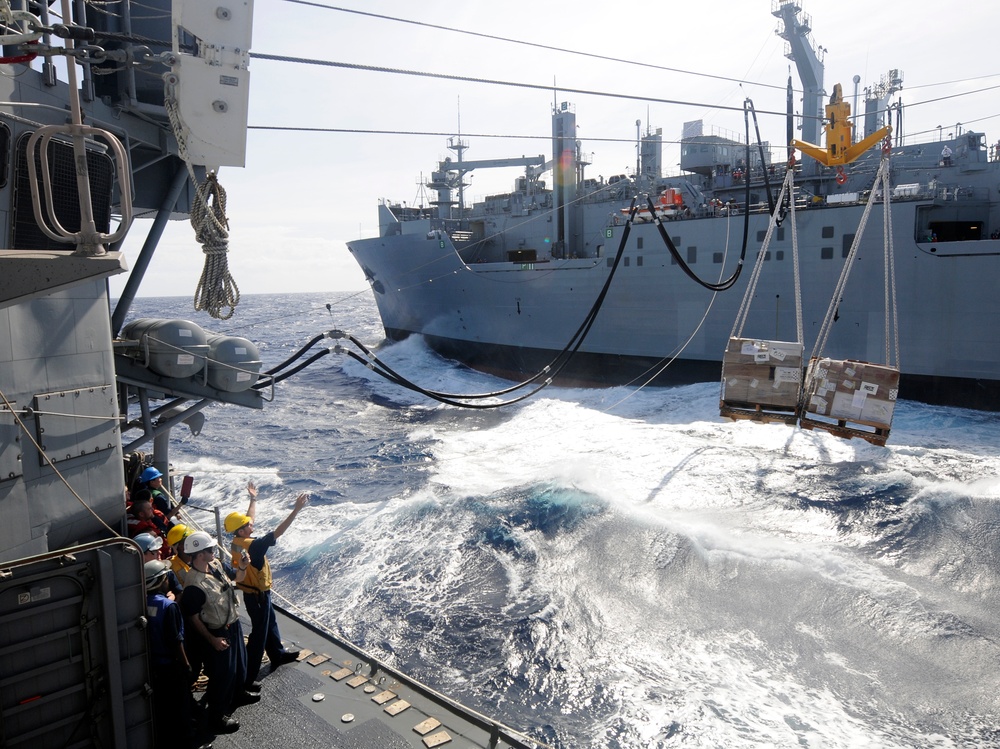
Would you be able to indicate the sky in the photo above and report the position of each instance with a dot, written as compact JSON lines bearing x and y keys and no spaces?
{"x":302,"y":196}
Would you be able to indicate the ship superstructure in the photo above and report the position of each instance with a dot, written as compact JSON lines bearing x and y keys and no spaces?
{"x":504,"y":284}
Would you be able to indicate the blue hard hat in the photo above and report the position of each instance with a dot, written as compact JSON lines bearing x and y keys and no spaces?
{"x":149,"y":474}
{"x":148,"y":542}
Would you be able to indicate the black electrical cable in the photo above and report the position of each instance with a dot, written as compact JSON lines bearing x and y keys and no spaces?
{"x":763,"y":165}
{"x":725,"y":285}
{"x":381,"y":368}
{"x":553,"y":369}
{"x":298,"y":354}
{"x":285,"y":375}
{"x":731,"y":281}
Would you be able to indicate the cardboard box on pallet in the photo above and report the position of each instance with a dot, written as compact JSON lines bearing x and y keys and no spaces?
{"x":759,"y":372}
{"x":852,"y":391}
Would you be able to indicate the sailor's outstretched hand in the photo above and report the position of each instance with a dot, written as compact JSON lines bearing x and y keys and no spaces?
{"x":252,"y":490}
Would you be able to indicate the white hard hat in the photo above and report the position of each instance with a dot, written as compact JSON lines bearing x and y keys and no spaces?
{"x":198,"y":541}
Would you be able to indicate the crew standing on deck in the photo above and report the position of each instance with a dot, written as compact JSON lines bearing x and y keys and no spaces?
{"x":209,"y":607}
{"x":256,"y":586}
{"x":170,"y":673}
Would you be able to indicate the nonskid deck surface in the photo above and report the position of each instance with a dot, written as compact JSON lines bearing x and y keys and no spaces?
{"x":303,"y":705}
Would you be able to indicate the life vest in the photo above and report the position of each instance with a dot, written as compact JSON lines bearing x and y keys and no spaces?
{"x":219,"y":610}
{"x":257,"y":580}
{"x":156,"y":607}
{"x":180,"y":569}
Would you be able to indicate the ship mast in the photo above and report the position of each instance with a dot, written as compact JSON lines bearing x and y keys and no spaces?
{"x":795,"y":29}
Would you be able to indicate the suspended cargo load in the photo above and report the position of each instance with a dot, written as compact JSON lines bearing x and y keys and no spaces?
{"x":846,"y":397}
{"x":761,"y":380}
{"x":850,"y":398}
{"x":233,"y":363}
{"x":170,"y":348}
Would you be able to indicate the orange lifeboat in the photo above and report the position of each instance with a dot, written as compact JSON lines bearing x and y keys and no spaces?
{"x":669,"y":204}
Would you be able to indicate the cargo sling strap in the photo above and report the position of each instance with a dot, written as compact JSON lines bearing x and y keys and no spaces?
{"x":881,"y":189}
{"x":787,"y":187}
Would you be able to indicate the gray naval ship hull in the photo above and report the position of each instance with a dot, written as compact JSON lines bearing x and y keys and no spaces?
{"x":503,"y":285}
{"x":512,"y":317}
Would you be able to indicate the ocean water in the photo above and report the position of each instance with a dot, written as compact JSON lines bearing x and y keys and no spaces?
{"x":622,"y":568}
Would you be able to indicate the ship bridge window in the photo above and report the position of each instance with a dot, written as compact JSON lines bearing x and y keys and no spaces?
{"x":717,"y":258}
{"x":761,"y":235}
{"x":626,"y":261}
{"x":779,"y":254}
{"x":826,"y":253}
{"x":692,"y":255}
{"x":638,"y":261}
{"x":638,"y":243}
{"x":845,"y":249}
{"x":781,"y":234}
{"x":827,"y":232}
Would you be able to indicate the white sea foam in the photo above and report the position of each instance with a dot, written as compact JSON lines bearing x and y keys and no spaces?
{"x":629,"y":569}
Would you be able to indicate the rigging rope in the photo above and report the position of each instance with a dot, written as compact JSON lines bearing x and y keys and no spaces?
{"x":881,"y":178}
{"x":744,"y":310}
{"x":216,"y":288}
{"x":495,"y":82}
{"x":890,"y":270}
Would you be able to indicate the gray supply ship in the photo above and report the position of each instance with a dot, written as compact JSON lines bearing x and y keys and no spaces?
{"x":505,"y":284}
{"x":145,"y":99}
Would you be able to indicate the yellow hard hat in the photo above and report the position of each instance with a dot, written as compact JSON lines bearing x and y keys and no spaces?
{"x":235,"y":521}
{"x":177,"y":534}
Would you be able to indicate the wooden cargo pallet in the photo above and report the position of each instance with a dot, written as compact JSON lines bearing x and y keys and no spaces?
{"x":757,"y":412}
{"x":848,"y":429}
